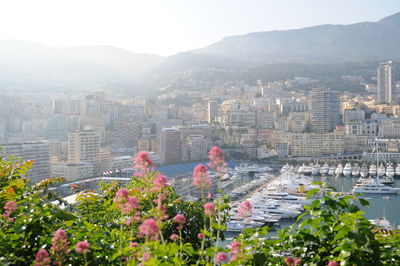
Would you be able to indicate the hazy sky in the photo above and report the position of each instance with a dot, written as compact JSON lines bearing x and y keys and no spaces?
{"x":169,"y":26}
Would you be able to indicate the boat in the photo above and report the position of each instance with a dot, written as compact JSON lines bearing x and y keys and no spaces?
{"x":301,"y":170}
{"x":324,"y":169}
{"x":339,"y":170}
{"x":332,"y":170}
{"x":373,"y":186}
{"x":397,"y":170}
{"x":389,"y":170}
{"x":315,"y":169}
{"x":381,"y":170}
{"x":347,"y":169}
{"x":372,"y":170}
{"x":356,"y":170}
{"x":307,"y":169}
{"x":386,"y":180}
{"x":382,"y":223}
{"x":285,"y":168}
{"x":364,"y":171}
{"x":239,"y":226}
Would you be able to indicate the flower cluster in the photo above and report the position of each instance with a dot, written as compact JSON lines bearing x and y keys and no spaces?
{"x":82,"y":247}
{"x":42,"y":258}
{"x":149,"y":229}
{"x":209,"y":209}
{"x":9,"y":208}
{"x":143,"y":162}
{"x":59,"y":245}
{"x":180,"y":219}
{"x":245,"y":209}
{"x":217,"y":161}
{"x":290,"y":261}
{"x":127,"y":204}
{"x":160,"y":182}
{"x":201,"y":179}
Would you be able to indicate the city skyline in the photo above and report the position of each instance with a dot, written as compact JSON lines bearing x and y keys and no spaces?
{"x":140,"y":26}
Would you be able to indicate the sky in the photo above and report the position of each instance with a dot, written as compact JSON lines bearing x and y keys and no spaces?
{"x":166,"y":27}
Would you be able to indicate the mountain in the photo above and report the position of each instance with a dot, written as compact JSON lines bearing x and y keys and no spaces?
{"x":33,"y":65}
{"x":319,"y":44}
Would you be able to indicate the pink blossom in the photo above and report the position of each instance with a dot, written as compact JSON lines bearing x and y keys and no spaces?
{"x":42,"y":258}
{"x":143,"y":161}
{"x":122,"y":193}
{"x":174,"y":237}
{"x":217,"y":161}
{"x":209,"y":196}
{"x":162,"y":212}
{"x":235,"y":246}
{"x":221,"y":257}
{"x":160,"y":181}
{"x":209,"y":209}
{"x":146,"y":256}
{"x":333,"y":263}
{"x":201,"y":179}
{"x":245,"y":209}
{"x":297,"y":261}
{"x":59,"y":245}
{"x":289,"y":261}
{"x":200,"y":236}
{"x":9,"y":208}
{"x":133,"y":245}
{"x":82,"y":247}
{"x":150,"y":229}
{"x":180,"y":219}
{"x":131,"y":205}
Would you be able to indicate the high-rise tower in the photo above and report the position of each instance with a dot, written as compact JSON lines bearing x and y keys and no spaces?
{"x":386,"y":83}
{"x":325,"y":109}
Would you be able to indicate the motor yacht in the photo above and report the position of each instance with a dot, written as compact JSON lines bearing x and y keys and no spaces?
{"x":347,"y":169}
{"x":381,"y":170}
{"x":301,"y":170}
{"x":397,"y":170}
{"x":332,"y":170}
{"x":364,"y":171}
{"x":324,"y":169}
{"x":382,"y":223}
{"x":389,"y":170}
{"x":372,"y":170}
{"x":239,"y":226}
{"x":373,"y":186}
{"x":339,"y":170}
{"x":308,"y":169}
{"x":386,"y":180}
{"x":315,"y":169}
{"x":285,"y":168}
{"x":356,"y":170}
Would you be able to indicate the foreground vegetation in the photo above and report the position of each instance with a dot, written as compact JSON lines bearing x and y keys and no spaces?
{"x":147,"y":223}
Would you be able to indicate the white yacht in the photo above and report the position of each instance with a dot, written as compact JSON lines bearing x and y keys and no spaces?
{"x":397,"y":170}
{"x":324,"y":169}
{"x":315,"y":169}
{"x":332,"y":170}
{"x":347,"y":169}
{"x":274,"y":210}
{"x":238,"y":226}
{"x":381,"y":170}
{"x":372,"y":170}
{"x":307,"y":170}
{"x":301,"y":170}
{"x":389,"y":170}
{"x":356,"y":170}
{"x":364,"y":171}
{"x":339,"y":170}
{"x":285,"y":168}
{"x":373,"y":186}
{"x":386,"y":180}
{"x":382,"y":223}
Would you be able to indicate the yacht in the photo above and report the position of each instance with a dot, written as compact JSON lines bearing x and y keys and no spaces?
{"x":339,"y":170}
{"x":264,"y":207}
{"x":285,"y":168}
{"x":381,"y":170}
{"x":382,"y":223}
{"x":373,"y":187}
{"x":239,"y":226}
{"x":372,"y":170}
{"x":332,"y":170}
{"x":347,"y":169}
{"x":356,"y":170}
{"x":397,"y":170}
{"x":302,"y":168}
{"x":324,"y":169}
{"x":389,"y":170}
{"x":316,"y":168}
{"x":386,"y":180}
{"x":364,"y":171}
{"x":308,"y":169}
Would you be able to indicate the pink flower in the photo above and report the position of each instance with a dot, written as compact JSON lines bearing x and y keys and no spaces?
{"x":162,"y":212}
{"x":289,"y":261}
{"x":59,"y":245}
{"x":143,"y":161}
{"x":209,"y":209}
{"x":82,"y":247}
{"x":200,"y":236}
{"x":160,"y":181}
{"x":133,"y":245}
{"x":297,"y":261}
{"x":9,"y":208}
{"x":245,"y":209}
{"x":217,"y":161}
{"x":180,"y":219}
{"x":146,"y":256}
{"x":150,"y":229}
{"x":131,"y":205}
{"x":235,"y":247}
{"x":122,"y":193}
{"x":201,"y":179}
{"x":174,"y":237}
{"x":42,"y":258}
{"x":333,"y":263}
{"x":221,"y":257}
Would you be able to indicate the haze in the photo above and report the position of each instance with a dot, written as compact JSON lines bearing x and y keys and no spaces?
{"x":168,"y":27}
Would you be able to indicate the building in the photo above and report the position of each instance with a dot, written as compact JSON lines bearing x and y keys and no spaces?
{"x":325,"y":109}
{"x":84,"y":146}
{"x":39,"y":152}
{"x":389,"y":128}
{"x":171,"y":145}
{"x":198,"y":147}
{"x":72,"y":171}
{"x":386,"y":83}
{"x":57,"y":128}
{"x":212,"y":111}
{"x":367,"y":127}
{"x":351,"y":115}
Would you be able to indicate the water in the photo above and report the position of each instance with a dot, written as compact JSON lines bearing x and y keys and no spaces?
{"x":380,"y":204}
